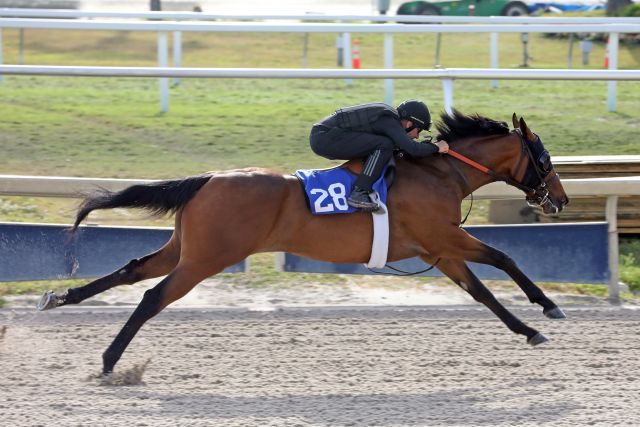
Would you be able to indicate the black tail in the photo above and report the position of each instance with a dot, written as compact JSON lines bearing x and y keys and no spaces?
{"x":158,"y":197}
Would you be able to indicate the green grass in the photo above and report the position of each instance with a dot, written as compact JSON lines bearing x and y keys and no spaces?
{"x":59,"y":127}
{"x":630,"y":263}
{"x":35,"y":288}
{"x":28,"y":288}
{"x":110,"y":127}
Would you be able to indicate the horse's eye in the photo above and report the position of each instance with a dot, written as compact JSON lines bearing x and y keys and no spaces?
{"x":544,"y":161}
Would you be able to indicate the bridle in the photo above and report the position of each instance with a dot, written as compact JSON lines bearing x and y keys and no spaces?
{"x":538,"y":170}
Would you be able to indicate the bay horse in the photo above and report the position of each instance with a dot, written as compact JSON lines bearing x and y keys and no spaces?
{"x":223,"y":217}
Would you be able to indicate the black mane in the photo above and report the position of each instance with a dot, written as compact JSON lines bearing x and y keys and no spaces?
{"x":458,"y":126}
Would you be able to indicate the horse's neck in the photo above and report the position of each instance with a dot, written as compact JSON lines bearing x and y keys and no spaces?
{"x":498,"y":153}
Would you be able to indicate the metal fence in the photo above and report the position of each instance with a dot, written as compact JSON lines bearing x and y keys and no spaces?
{"x":49,"y":251}
{"x":476,"y":25}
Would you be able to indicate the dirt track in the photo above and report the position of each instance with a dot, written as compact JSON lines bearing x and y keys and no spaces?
{"x":323,"y":367}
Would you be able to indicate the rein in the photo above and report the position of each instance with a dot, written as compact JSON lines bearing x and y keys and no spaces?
{"x":489,"y":172}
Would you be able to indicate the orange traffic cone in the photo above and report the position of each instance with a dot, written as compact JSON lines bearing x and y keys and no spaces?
{"x":355,"y":58}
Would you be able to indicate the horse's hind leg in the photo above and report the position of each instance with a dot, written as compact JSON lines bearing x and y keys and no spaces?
{"x":156,"y":264}
{"x":171,"y":288}
{"x":460,"y":273}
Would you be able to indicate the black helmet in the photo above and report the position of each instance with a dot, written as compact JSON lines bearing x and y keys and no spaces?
{"x":417,"y":112}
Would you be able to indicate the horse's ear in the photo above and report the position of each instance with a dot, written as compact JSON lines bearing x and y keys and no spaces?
{"x":526,"y":131}
{"x":514,"y":120}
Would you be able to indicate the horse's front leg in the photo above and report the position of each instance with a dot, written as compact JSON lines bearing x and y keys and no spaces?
{"x":471,"y":249}
{"x":494,"y":257}
{"x":460,"y":273}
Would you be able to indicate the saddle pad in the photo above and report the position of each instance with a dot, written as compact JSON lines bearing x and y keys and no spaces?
{"x":327,"y":189}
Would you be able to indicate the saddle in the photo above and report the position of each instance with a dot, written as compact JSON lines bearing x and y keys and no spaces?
{"x":326,"y":192}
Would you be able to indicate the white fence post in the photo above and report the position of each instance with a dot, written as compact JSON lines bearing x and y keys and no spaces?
{"x":494,"y":55}
{"x":346,"y":55}
{"x":438,"y":43}
{"x":177,"y":54}
{"x":21,"y":48}
{"x":613,"y":65}
{"x":612,"y":220}
{"x":163,"y":61}
{"x":1,"y":47}
{"x":305,"y":50}
{"x":278,"y":261}
{"x":447,"y":89}
{"x":388,"y":63}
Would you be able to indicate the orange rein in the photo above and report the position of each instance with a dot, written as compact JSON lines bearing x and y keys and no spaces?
{"x":488,"y":171}
{"x":469,"y":161}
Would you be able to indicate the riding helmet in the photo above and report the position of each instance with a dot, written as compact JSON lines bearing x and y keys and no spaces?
{"x":417,"y":112}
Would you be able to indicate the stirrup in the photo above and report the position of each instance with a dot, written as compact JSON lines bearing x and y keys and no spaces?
{"x":361,"y":199}
{"x":363,"y":206}
{"x":375,"y":198}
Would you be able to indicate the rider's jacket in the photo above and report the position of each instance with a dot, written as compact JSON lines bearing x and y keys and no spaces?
{"x":360,"y":118}
{"x":376,"y":119}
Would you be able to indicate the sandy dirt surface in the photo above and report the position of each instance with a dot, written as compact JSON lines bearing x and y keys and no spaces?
{"x":282,"y":360}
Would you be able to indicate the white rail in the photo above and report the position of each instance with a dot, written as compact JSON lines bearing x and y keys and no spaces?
{"x":70,"y":187}
{"x":447,"y":75}
{"x":324,"y":73}
{"x":311,"y":27}
{"x":200,"y":16}
{"x":60,"y":186}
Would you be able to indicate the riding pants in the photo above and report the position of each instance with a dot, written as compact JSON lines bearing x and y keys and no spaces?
{"x":335,"y":143}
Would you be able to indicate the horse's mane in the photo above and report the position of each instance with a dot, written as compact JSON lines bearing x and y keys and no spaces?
{"x":458,"y":126}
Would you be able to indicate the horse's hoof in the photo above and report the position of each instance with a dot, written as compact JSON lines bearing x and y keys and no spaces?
{"x":48,"y":301}
{"x":537,"y":339}
{"x":554,"y":313}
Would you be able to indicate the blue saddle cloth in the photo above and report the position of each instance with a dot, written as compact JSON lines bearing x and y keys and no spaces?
{"x":327,"y":189}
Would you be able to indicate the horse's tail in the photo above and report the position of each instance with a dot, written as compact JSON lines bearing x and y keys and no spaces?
{"x":157,"y":197}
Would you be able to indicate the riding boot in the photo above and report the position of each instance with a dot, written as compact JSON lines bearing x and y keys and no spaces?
{"x":359,"y":197}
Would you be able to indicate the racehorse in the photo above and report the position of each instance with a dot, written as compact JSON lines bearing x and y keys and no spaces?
{"x":223,"y":217}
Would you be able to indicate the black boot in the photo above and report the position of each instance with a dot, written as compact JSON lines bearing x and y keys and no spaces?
{"x":359,"y":198}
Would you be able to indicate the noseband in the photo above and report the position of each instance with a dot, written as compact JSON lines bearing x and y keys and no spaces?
{"x":534,"y":182}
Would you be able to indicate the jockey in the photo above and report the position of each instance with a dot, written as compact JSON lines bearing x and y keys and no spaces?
{"x":373,"y":131}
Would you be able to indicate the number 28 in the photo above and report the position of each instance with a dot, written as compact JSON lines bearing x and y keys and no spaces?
{"x":338,"y":194}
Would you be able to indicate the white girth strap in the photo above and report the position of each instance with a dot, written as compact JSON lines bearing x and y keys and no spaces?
{"x":380,"y":245}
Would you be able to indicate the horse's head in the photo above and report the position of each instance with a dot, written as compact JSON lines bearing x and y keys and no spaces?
{"x":539,"y":175}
